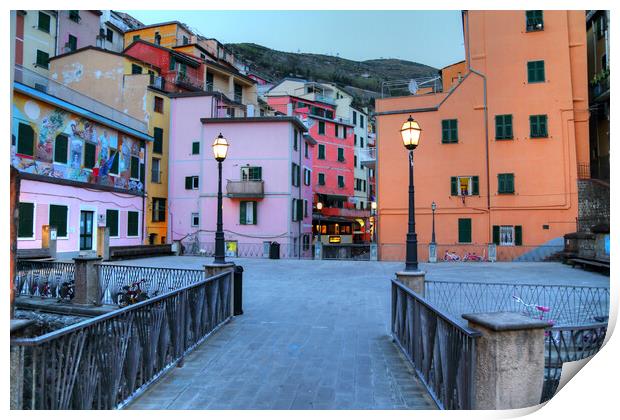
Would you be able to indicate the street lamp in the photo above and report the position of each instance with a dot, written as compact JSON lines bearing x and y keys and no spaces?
{"x":410,"y":132}
{"x":319,"y":207}
{"x":220,"y":149}
{"x":433,"y":208}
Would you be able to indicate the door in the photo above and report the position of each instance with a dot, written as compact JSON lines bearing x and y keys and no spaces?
{"x":86,"y":230}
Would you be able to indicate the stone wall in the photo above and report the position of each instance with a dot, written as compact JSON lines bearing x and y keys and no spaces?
{"x":593,"y":203}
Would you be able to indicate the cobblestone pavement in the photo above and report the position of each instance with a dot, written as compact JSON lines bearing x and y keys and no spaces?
{"x":315,"y":335}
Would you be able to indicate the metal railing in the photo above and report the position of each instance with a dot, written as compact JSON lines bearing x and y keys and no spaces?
{"x":504,"y":253}
{"x":418,"y":86}
{"x":568,"y":305}
{"x":106,"y":362}
{"x":44,"y":84}
{"x":193,"y":246}
{"x":441,"y":350}
{"x":42,"y":278}
{"x":157,"y":280}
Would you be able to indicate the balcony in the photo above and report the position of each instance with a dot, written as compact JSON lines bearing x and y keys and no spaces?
{"x":51,"y":87}
{"x":599,"y":91}
{"x":368,"y":157}
{"x":185,"y":81}
{"x":245,"y":189}
{"x":336,"y":211}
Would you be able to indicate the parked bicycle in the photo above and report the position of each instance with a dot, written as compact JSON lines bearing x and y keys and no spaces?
{"x":473,"y":257}
{"x":131,"y":294}
{"x":451,"y":256}
{"x":66,"y":291}
{"x":45,"y":289}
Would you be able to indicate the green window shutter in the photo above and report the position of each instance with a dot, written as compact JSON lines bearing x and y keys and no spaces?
{"x":60,"y":148}
{"x":25,"y":227}
{"x":258,"y":173}
{"x":43,"y":59}
{"x":135,"y":167}
{"x":254,"y":212}
{"x":25,"y":140}
{"x":132,"y":223}
{"x":542,"y":125}
{"x":111,"y":221}
{"x":454,"y":131}
{"x":508,"y":126}
{"x":72,"y":43}
{"x":535,"y":71}
{"x":158,"y":140}
{"x":58,"y":218}
{"x":340,"y":181}
{"x":44,"y":22}
{"x":135,"y":38}
{"x":499,"y":127}
{"x":300,"y":210}
{"x":295,"y":140}
{"x":475,"y":185}
{"x":445,"y":131}
{"x":464,"y":230}
{"x":293,"y":210}
{"x":293,"y":174}
{"x":518,"y":235}
{"x":533,"y":126}
{"x":321,"y":151}
{"x":496,"y":235}
{"x":196,"y":148}
{"x":501,"y":187}
{"x":188,"y":182}
{"x":454,"y":188}
{"x":142,"y":172}
{"x":242,"y":212}
{"x":540,"y":71}
{"x":90,"y":150}
{"x":340,"y":154}
{"x":321,"y":179}
{"x":173,"y":63}
{"x":510,"y":183}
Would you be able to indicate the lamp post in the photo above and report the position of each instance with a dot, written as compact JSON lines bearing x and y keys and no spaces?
{"x":432,"y":247}
{"x":433,"y":208}
{"x":373,"y":212}
{"x":319,"y":207}
{"x":220,"y":148}
{"x":410,"y":133}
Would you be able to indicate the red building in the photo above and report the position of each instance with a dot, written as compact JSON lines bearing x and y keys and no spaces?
{"x":332,"y":173}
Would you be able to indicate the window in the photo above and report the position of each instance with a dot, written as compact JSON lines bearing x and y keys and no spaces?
{"x":464,"y":185}
{"x":155,"y":172}
{"x":503,"y":127}
{"x":506,"y":183}
{"x":295,"y":140}
{"x":321,"y":179}
{"x":191,"y":182}
{"x":340,"y":154}
{"x":42,"y":59}
{"x":535,"y":71}
{"x":508,"y":235}
{"x":354,"y":118}
{"x":135,"y":168}
{"x":111,"y":221}
{"x":90,"y":151}
{"x":354,"y":139}
{"x":185,"y":40}
{"x":538,"y":126}
{"x":25,"y":227}
{"x":135,"y":38}
{"x":196,"y":148}
{"x":306,"y":147}
{"x":464,"y":231}
{"x":61,"y":148}
{"x":158,"y":104}
{"x":298,"y":210}
{"x":172,"y":64}
{"x":136,"y":69}
{"x":209,"y":81}
{"x":74,"y":15}
{"x":295,"y":174}
{"x":329,"y":114}
{"x":321,"y":127}
{"x":132,"y":223}
{"x":534,"y":20}
{"x":238,"y":92}
{"x":321,"y":151}
{"x":361,"y":141}
{"x":109,"y":35}
{"x":72,"y":43}
{"x":159,"y":210}
{"x":306,"y":242}
{"x":449,"y":131}
{"x":25,"y":140}
{"x":44,"y":22}
{"x":355,"y":161}
{"x":247,"y":213}
{"x":340,"y":181}
{"x":195,"y":220}
{"x":305,"y":208}
{"x":361,"y":121}
{"x":336,"y":130}
{"x":114,"y":167}
{"x":307,"y":176}
{"x":158,"y":140}
{"x":601,"y":26}
{"x":251,"y":173}
{"x":157,"y":38}
{"x":58,"y":217}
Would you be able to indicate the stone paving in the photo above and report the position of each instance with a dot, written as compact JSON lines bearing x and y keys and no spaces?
{"x":315,"y":335}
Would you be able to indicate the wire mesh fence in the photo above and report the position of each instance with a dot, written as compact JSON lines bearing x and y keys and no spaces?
{"x":42,"y":278}
{"x":474,"y":252}
{"x":193,"y":245}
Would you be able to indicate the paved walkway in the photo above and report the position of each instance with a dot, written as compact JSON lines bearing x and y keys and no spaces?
{"x":315,"y":335}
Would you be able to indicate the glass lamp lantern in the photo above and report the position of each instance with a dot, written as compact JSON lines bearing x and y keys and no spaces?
{"x":410,"y":132}
{"x":220,"y":148}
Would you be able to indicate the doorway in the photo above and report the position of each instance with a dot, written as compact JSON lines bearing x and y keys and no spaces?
{"x":86,"y":230}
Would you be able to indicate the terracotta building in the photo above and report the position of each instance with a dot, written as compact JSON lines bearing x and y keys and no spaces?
{"x":500,"y":148}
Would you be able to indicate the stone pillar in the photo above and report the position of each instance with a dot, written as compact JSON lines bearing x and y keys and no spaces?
{"x":374,"y":255}
{"x":413,"y":280}
{"x":48,"y":239}
{"x":492,"y":252}
{"x":510,"y":360}
{"x":215,"y":269}
{"x":318,"y":251}
{"x":103,"y":242}
{"x":87,"y":286}
{"x":432,"y":252}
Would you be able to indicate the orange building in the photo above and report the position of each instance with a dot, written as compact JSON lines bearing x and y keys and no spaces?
{"x":500,"y":145}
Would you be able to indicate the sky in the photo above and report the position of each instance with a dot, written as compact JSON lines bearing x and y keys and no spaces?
{"x":434,"y":38}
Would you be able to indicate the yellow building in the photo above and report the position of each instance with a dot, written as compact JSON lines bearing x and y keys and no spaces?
{"x":126,"y":84}
{"x":39,"y":39}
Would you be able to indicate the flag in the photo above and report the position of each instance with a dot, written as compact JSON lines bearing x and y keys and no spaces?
{"x":105,"y":168}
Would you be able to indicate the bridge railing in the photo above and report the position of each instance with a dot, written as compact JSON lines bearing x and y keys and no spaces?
{"x":107,"y":361}
{"x":42,"y":278}
{"x":441,"y":350}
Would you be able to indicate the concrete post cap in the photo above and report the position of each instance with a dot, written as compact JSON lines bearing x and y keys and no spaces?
{"x":506,"y":321}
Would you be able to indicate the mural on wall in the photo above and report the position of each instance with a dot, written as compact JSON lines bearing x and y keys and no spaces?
{"x":49,"y":122}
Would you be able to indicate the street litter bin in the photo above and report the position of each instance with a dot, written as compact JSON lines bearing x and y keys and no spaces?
{"x":238,"y":294}
{"x":274,"y":251}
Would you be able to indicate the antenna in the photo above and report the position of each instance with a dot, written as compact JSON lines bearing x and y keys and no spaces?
{"x":412,"y":86}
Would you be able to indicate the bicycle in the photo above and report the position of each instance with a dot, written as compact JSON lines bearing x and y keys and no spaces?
{"x":131,"y":294}
{"x":473,"y":257}
{"x":66,"y":291}
{"x":540,"y":314}
{"x":45,"y":290}
{"x":451,"y":256}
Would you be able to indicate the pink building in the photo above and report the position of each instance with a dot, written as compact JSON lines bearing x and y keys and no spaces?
{"x":266,"y":180}
{"x":77,"y":29}
{"x":81,"y":168}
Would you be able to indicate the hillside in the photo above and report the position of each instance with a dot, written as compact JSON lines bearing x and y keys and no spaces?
{"x":360,"y":78}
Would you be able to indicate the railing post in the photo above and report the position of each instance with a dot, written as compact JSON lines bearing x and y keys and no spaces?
{"x":215,"y":269}
{"x":413,"y":280}
{"x":510,"y":360}
{"x":87,"y":286}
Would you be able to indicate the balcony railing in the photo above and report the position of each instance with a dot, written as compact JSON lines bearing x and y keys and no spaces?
{"x":419,"y":86}
{"x":600,"y":90}
{"x":184,"y":80}
{"x":245,"y":189}
{"x":51,"y":87}
{"x":336,"y":211}
{"x":368,"y":157}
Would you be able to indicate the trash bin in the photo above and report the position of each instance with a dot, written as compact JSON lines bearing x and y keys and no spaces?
{"x":238,"y":294}
{"x":274,"y":251}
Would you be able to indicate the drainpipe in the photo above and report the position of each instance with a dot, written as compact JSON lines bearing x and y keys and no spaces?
{"x":57,"y":32}
{"x":301,"y":183}
{"x":486,"y":122}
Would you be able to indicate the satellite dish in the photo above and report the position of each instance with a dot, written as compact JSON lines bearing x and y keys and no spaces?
{"x":412,"y":86}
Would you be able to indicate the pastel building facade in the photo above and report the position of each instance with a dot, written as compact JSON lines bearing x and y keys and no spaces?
{"x":266,"y":180}
{"x":80,"y":169}
{"x":39,"y":39}
{"x":127,"y":84}
{"x":500,"y":149}
{"x":77,"y":29}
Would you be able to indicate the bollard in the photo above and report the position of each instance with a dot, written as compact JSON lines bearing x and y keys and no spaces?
{"x":492,"y":252}
{"x":374,"y":256}
{"x":432,"y":252}
{"x":318,"y":251}
{"x":87,"y":286}
{"x":510,"y":360}
{"x":413,"y":280}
